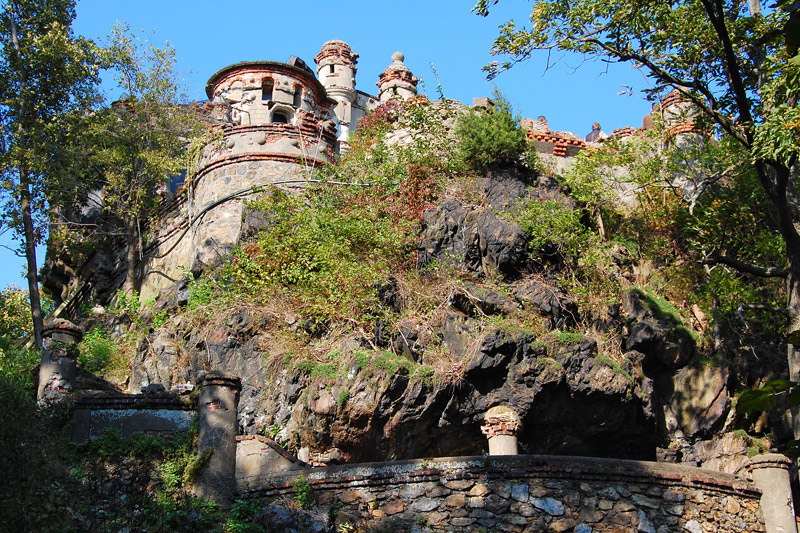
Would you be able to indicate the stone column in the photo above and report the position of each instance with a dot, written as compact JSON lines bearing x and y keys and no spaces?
{"x":57,"y":371}
{"x":770,"y":474}
{"x":501,"y":425}
{"x":218,"y":427}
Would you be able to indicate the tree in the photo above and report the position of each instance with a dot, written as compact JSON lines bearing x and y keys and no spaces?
{"x":138,"y":143}
{"x":733,"y":61}
{"x":45,"y":72}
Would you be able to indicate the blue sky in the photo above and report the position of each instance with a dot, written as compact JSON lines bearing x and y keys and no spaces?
{"x":210,"y":35}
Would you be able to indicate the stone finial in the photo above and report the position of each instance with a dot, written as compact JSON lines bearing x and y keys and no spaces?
{"x":501,"y":425}
{"x":397,"y":81}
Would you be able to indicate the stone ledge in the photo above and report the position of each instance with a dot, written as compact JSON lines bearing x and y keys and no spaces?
{"x":510,"y":467}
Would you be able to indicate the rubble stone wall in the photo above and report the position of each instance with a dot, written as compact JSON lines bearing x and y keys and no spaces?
{"x":529,"y":493}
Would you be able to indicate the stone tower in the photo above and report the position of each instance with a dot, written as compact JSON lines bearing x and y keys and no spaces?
{"x":397,"y":81}
{"x":336,"y":70}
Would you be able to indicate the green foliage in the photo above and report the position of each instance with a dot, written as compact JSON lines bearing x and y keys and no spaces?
{"x":33,"y":476}
{"x":201,"y":292}
{"x":492,"y":137}
{"x":97,"y":350}
{"x":607,"y":361}
{"x":134,"y":146}
{"x":341,"y":400}
{"x":551,"y":227}
{"x":328,"y":252}
{"x":47,"y":75}
{"x":777,"y":137}
{"x":15,"y":316}
{"x":126,"y":303}
{"x":242,"y":514}
{"x":170,"y":461}
{"x":765,"y":398}
{"x":567,"y":337}
{"x":303,"y":492}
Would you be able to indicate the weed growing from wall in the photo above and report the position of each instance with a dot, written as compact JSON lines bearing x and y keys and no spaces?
{"x":303,"y":492}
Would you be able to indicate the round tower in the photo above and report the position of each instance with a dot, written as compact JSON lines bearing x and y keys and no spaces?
{"x":396,"y":82}
{"x":336,"y":70}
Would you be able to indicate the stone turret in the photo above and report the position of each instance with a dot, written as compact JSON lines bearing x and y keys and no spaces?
{"x":336,"y":70}
{"x":397,"y":81}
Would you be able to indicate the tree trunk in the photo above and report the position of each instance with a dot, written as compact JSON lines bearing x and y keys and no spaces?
{"x":30,"y":256}
{"x":131,"y":248}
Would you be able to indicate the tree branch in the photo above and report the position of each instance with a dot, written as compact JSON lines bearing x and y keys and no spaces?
{"x":748,"y":268}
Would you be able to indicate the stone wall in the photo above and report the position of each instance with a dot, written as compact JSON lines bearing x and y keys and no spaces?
{"x":164,"y":414}
{"x":528,"y":493}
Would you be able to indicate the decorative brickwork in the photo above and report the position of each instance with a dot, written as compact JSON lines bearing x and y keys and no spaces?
{"x":503,"y":424}
{"x":336,"y":52}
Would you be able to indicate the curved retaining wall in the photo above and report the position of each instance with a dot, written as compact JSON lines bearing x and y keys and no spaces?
{"x":527,"y":493}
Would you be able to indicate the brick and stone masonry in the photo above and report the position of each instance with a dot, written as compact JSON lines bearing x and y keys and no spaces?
{"x":217,"y":429}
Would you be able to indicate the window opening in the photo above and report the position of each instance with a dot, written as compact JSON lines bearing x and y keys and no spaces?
{"x":280,"y":118}
{"x":266,"y":90}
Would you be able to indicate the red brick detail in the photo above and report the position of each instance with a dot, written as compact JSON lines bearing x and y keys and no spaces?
{"x":502,"y":424}
{"x":683,"y":127}
{"x":397,"y":73}
{"x":261,"y":73}
{"x":560,"y":142}
{"x":625,"y":131}
{"x":339,"y":51}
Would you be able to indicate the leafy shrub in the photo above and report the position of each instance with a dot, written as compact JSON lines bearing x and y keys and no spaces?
{"x":201,"y":292}
{"x":492,"y":137}
{"x":15,"y":316}
{"x":96,"y":350}
{"x":551,"y":227}
{"x":329,"y":252}
{"x":241,"y":516}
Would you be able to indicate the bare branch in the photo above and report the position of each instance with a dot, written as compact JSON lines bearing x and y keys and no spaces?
{"x":748,"y":268}
{"x":762,"y":307}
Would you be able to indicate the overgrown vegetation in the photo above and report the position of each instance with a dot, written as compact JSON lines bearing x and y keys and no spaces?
{"x":492,"y":137}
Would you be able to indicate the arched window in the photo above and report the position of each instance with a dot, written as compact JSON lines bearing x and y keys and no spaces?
{"x":279,"y":117}
{"x":266,"y":89}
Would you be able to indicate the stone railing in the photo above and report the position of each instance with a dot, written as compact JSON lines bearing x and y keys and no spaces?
{"x":532,"y":493}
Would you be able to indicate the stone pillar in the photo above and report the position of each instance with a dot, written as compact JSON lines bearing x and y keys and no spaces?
{"x":218,"y":426}
{"x":501,"y":425}
{"x":770,"y":474}
{"x":57,"y":371}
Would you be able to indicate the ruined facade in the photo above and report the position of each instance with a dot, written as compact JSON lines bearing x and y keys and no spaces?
{"x":274,"y":123}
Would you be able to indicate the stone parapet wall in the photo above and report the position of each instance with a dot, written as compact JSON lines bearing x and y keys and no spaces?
{"x":529,"y":493}
{"x":130,"y":413}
